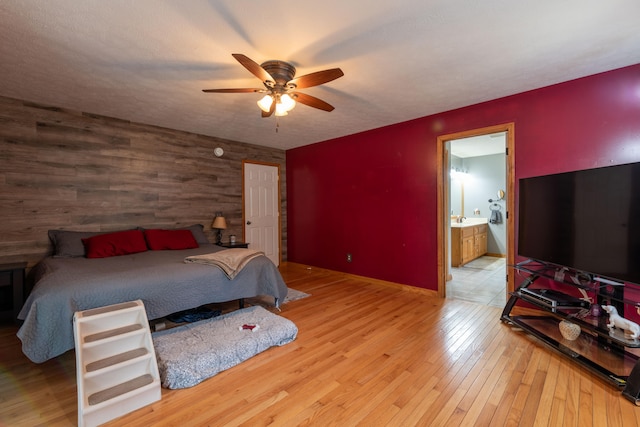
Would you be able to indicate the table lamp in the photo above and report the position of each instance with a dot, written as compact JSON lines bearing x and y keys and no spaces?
{"x":220,"y":224}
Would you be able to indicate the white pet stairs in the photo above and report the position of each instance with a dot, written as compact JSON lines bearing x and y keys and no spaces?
{"x":116,"y":364}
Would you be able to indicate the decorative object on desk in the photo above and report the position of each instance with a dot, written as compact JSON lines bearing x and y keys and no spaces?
{"x":568,"y":330}
{"x":232,"y":239}
{"x":631,"y":329}
{"x":219,"y":223}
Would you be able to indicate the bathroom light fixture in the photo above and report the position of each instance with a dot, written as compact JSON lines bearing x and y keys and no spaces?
{"x":457,"y":173}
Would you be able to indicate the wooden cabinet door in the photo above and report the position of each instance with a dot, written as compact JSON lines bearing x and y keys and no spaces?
{"x":480,"y":234}
{"x":482,"y":244}
{"x":456,"y":247}
{"x":468,"y":249}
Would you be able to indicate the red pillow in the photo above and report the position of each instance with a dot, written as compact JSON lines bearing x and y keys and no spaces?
{"x":170,"y":239}
{"x":114,"y":244}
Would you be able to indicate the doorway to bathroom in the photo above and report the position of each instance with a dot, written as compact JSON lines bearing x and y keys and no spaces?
{"x":476,"y":232}
{"x":478,"y":236}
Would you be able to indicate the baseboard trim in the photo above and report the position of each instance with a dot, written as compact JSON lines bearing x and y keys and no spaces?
{"x":496,"y":255}
{"x":401,"y":286}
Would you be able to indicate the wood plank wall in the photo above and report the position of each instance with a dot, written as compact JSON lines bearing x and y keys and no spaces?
{"x":62,"y":169}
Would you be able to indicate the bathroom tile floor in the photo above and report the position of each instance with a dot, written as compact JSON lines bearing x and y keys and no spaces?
{"x":482,"y":281}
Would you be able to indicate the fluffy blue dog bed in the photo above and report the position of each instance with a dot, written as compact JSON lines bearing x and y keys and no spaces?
{"x":189,"y":354}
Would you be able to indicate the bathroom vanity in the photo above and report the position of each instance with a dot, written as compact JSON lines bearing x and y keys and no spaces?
{"x":468,"y":240}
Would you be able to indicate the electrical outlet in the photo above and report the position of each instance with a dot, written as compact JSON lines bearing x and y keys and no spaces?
{"x":349,"y":258}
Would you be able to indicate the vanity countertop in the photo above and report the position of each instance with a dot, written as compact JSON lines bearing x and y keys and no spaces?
{"x":469,"y":222}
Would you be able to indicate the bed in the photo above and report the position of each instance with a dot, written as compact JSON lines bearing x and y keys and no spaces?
{"x":67,"y":282}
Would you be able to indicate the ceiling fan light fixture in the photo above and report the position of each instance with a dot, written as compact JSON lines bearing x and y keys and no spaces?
{"x":287,"y":102}
{"x":265,"y":103}
{"x":281,"y":85}
{"x":281,"y":110}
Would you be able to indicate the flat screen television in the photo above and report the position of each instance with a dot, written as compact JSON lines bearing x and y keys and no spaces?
{"x":588,"y":220}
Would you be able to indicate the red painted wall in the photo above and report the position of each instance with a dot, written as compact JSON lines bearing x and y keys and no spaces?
{"x":373,"y":194}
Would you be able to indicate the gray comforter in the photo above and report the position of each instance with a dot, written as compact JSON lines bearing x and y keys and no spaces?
{"x":161,"y":279}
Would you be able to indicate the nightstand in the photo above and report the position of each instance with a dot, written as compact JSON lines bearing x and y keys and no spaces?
{"x":11,"y":290}
{"x":233,"y":245}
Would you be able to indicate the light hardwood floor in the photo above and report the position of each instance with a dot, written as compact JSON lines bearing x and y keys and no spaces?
{"x":368,"y":354}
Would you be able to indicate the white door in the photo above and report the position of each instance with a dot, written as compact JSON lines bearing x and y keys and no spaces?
{"x":262,"y":209}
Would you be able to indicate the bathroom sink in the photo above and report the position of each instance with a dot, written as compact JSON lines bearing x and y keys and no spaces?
{"x":468,"y":222}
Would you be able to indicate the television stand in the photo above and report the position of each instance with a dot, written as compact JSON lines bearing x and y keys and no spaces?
{"x":566,"y":294}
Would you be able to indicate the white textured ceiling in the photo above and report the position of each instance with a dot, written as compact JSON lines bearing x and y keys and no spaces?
{"x":481,"y":145}
{"x":148,"y":60}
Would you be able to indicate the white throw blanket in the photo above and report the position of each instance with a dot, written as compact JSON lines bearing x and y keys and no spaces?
{"x":231,"y":261}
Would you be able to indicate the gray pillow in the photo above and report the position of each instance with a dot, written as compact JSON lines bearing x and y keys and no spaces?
{"x":198,"y":233}
{"x":196,"y":229}
{"x":68,"y":244}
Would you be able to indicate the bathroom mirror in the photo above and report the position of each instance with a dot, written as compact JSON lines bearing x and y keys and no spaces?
{"x":457,"y":194}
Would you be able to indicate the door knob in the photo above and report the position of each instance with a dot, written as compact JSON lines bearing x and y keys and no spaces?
{"x":248,"y":222}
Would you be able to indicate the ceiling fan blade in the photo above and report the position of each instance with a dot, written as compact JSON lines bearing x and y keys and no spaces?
{"x":312,"y":101}
{"x":232,"y":90}
{"x":317,"y":78}
{"x":253,"y":67}
{"x":271,"y":110}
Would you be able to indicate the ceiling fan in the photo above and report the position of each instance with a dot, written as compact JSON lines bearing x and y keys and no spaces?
{"x":280,"y":86}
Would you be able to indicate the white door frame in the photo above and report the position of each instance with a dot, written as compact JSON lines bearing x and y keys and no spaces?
{"x":279,"y":204}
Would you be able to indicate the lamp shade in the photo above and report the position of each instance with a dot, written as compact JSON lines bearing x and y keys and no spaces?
{"x":219,"y":223}
{"x":265,"y":103}
{"x":287,"y":102}
{"x":280,"y":110}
